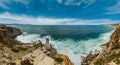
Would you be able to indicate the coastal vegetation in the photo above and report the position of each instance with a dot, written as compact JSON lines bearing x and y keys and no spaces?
{"x":13,"y":52}
{"x":110,"y":53}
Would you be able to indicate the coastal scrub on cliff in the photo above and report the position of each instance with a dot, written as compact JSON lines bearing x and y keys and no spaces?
{"x":13,"y":52}
{"x":110,"y":53}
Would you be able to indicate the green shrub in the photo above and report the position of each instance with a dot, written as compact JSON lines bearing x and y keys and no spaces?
{"x":59,"y":60}
{"x":116,"y":47}
{"x":26,"y":62}
{"x":118,"y":62}
{"x":99,"y":61}
{"x":12,"y":63}
{"x":15,"y":50}
{"x":22,"y":48}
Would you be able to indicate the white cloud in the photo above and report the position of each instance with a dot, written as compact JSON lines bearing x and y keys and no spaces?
{"x":78,"y":3}
{"x":26,"y":2}
{"x":4,"y":3}
{"x":115,"y":9}
{"x":8,"y":18}
{"x":59,"y":1}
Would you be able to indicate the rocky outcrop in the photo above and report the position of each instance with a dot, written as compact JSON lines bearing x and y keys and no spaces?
{"x":9,"y":32}
{"x":13,"y":52}
{"x":8,"y":35}
{"x":110,"y":53}
{"x":46,"y":55}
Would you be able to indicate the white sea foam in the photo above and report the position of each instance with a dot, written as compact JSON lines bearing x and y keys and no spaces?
{"x":68,"y":46}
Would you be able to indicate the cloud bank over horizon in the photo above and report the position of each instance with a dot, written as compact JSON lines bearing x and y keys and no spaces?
{"x":8,"y":18}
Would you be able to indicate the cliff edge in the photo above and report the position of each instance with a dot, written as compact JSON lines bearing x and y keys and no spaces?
{"x":110,"y":53}
{"x":13,"y":52}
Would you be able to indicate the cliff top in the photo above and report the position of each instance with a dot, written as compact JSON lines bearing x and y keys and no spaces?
{"x":13,"y":52}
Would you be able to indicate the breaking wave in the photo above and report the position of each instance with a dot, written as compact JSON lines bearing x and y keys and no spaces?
{"x":74,"y":49}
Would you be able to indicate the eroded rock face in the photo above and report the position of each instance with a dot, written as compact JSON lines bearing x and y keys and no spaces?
{"x":8,"y":35}
{"x":37,"y":57}
{"x":48,"y":49}
{"x":46,"y":55}
{"x":9,"y":32}
{"x":13,"y":52}
{"x":110,"y":53}
{"x":40,"y":58}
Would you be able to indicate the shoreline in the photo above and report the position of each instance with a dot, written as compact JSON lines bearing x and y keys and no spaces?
{"x":72,"y":54}
{"x":21,"y":53}
{"x":32,"y":45}
{"x":109,"y":53}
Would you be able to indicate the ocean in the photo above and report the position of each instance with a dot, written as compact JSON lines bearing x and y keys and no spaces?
{"x":71,"y":40}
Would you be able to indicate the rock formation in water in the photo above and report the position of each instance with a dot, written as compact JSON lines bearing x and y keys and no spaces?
{"x":110,"y":53}
{"x":13,"y":52}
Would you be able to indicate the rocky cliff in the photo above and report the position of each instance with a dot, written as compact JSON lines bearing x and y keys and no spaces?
{"x":13,"y":52}
{"x":110,"y":53}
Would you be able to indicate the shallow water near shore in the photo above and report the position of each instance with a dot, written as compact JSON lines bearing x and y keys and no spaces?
{"x":72,"y":40}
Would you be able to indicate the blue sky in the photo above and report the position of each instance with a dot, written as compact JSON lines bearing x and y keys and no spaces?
{"x":60,"y":12}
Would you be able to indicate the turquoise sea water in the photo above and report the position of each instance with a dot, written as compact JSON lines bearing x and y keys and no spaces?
{"x":70,"y":40}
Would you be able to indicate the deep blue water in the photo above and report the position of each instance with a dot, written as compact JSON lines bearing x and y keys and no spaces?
{"x":58,"y":32}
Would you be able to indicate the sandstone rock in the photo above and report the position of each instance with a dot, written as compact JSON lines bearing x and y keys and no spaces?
{"x":9,"y":32}
{"x":39,"y":58}
{"x":13,"y":52}
{"x":66,"y":60}
{"x":110,"y":51}
{"x":48,"y":47}
{"x":38,"y":43}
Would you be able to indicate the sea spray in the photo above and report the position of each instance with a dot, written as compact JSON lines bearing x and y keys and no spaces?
{"x":74,"y":49}
{"x":74,"y":41}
